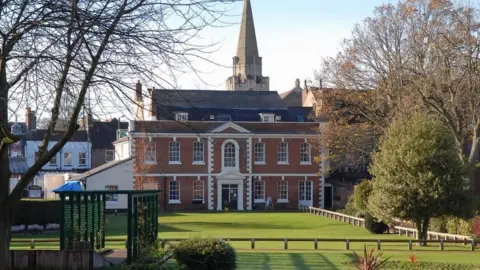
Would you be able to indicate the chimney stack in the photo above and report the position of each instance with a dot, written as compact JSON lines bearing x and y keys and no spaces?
{"x":30,"y":119}
{"x":138,"y":91}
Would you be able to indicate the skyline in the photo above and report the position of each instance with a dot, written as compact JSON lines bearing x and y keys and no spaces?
{"x":291,"y":48}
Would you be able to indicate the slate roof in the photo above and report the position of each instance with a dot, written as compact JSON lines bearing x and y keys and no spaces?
{"x":99,"y":169}
{"x":37,"y":135}
{"x":242,"y":106}
{"x":103,"y":134}
{"x":219,"y":99}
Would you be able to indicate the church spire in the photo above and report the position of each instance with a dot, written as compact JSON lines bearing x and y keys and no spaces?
{"x":247,"y":48}
{"x":247,"y":64}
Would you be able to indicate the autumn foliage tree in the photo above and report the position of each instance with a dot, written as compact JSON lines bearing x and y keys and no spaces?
{"x":421,"y":54}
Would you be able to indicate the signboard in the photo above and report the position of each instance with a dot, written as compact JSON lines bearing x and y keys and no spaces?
{"x":35,"y":192}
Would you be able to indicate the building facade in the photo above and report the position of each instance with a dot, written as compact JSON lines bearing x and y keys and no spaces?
{"x":239,"y":165}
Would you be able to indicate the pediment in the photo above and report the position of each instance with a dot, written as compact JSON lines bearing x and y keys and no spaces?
{"x":230,"y":127}
{"x":230,"y":175}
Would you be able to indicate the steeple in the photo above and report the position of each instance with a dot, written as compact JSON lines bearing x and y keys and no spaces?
{"x":247,"y":64}
{"x":247,"y":48}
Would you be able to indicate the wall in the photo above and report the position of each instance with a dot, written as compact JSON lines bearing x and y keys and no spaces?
{"x":73,"y":147}
{"x":122,"y":150}
{"x":120,"y":175}
{"x":13,"y":183}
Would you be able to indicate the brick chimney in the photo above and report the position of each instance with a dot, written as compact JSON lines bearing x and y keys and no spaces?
{"x":30,"y":119}
{"x":138,"y":91}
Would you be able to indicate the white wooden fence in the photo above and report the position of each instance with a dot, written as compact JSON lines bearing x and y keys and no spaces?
{"x":396,"y":229}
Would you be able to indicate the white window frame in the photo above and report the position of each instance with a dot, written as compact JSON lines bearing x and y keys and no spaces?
{"x":150,"y":156}
{"x":177,"y":189}
{"x":237,"y":158}
{"x":282,"y":199}
{"x":170,"y":145}
{"x":181,"y":116}
{"x":198,"y":150}
{"x":80,"y":164}
{"x":65,"y":159}
{"x":267,"y":117}
{"x":256,"y":191}
{"x":198,"y":191}
{"x":107,"y":153}
{"x":111,"y":197}
{"x":308,"y":152}
{"x":282,"y":162}
{"x":255,"y":152}
{"x":54,"y":158}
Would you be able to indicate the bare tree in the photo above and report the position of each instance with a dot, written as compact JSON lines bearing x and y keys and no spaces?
{"x":417,"y":53}
{"x":55,"y":52}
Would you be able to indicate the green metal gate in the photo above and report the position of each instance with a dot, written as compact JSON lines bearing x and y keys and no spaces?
{"x":83,"y":219}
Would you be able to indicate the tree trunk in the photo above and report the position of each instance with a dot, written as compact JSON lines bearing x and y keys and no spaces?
{"x":5,"y":212}
{"x":422,"y":230}
{"x":5,"y":236}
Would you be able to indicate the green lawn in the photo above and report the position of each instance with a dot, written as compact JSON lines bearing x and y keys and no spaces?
{"x":270,"y":255}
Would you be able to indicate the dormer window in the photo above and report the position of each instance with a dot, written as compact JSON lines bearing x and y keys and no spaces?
{"x":267,"y":117}
{"x":181,"y":116}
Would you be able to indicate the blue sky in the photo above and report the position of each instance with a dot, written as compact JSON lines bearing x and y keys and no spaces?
{"x":292,"y":37}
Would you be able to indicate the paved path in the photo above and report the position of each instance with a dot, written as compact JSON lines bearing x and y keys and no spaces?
{"x":117,"y":256}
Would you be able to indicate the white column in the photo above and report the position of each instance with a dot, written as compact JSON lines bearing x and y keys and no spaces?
{"x":240,"y":197}
{"x":210,"y":170}
{"x":323,"y":168}
{"x":219,"y":196}
{"x":250,"y":169}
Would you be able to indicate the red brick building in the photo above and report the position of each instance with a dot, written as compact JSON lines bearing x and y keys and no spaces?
{"x":239,"y":164}
{"x":239,"y":148}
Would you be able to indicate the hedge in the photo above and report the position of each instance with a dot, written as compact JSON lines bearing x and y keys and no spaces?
{"x":205,"y":254}
{"x":40,"y":212}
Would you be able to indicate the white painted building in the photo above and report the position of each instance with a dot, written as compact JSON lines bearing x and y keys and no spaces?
{"x":75,"y":155}
{"x":115,"y":175}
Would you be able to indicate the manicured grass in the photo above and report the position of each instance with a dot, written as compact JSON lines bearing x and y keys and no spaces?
{"x":251,"y":225}
{"x":336,"y":260}
{"x":270,"y":255}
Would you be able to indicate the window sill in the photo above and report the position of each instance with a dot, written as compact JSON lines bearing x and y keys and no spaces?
{"x":174,"y":202}
{"x":283,"y":201}
{"x":198,"y":201}
{"x":198,"y":163}
{"x":260,"y":163}
{"x":305,"y":163}
{"x":259,"y":201}
{"x":149,"y":162}
{"x":175,"y":163}
{"x":283,"y":163}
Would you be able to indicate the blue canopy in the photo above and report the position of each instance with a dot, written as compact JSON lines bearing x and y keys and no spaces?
{"x":70,"y":186}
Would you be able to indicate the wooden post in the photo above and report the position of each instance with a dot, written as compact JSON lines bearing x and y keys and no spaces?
{"x":347,"y":244}
{"x":441,"y":244}
{"x":253,"y":243}
{"x":473,"y":244}
{"x":32,"y":244}
{"x":92,"y":240}
{"x":285,"y":246}
{"x":379,"y":246}
{"x":315,"y":243}
{"x":409,"y":244}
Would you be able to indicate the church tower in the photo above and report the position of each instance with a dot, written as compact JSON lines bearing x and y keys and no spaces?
{"x":247,"y":64}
